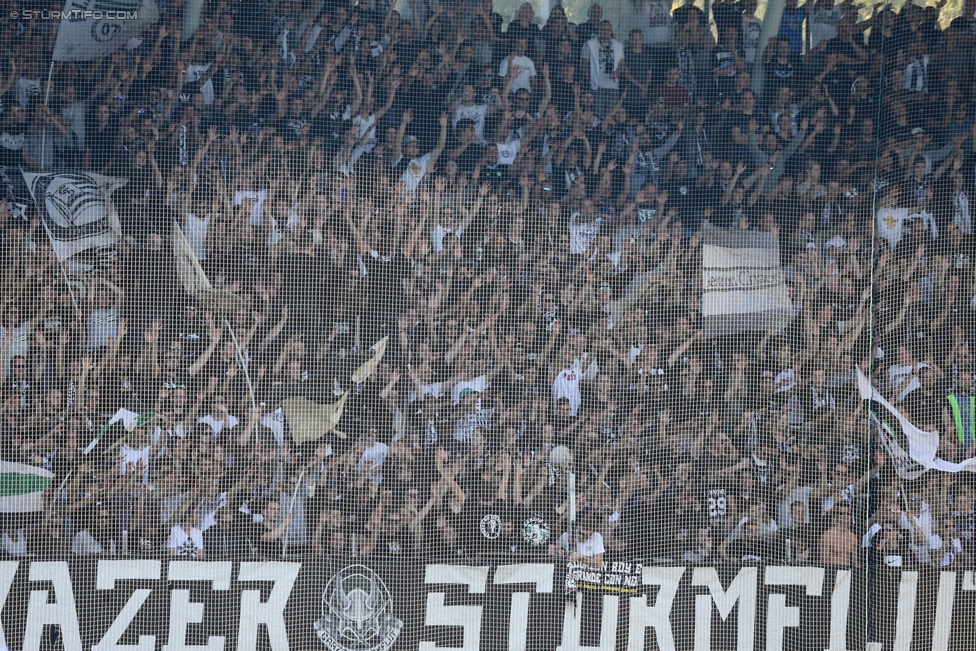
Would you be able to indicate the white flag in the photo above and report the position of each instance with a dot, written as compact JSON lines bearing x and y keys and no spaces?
{"x":195,"y":281}
{"x":93,"y":28}
{"x":923,"y":447}
{"x":366,"y":368}
{"x":76,"y":210}
{"x":188,"y":268}
{"x":743,"y":287}
{"x":310,"y":421}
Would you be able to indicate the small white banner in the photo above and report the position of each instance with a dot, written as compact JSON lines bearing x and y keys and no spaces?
{"x":743,"y":286}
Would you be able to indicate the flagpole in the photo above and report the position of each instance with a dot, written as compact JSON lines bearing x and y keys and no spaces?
{"x":70,"y":291}
{"x":66,"y":477}
{"x":291,"y":509}
{"x":57,"y":495}
{"x":243,"y":365}
{"x":47,"y":96}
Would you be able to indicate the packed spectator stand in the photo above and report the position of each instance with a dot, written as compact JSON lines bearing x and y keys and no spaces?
{"x":517,"y":206}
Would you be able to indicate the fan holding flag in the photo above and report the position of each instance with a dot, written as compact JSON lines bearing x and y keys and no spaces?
{"x":131,"y":421}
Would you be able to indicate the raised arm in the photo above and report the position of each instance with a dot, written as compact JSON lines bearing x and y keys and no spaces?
{"x":441,"y":140}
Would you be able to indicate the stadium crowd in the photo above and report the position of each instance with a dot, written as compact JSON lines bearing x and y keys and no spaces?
{"x":517,"y":206}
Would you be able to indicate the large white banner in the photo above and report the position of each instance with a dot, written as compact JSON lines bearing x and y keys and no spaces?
{"x":356,"y":605}
{"x":90,"y":29}
{"x":743,"y":286}
{"x":76,"y":209}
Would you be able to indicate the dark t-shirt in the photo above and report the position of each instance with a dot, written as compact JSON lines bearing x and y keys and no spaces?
{"x":480,"y":527}
{"x":754,"y":552}
{"x":264,"y":548}
{"x":532,"y":533}
{"x":788,"y":73}
{"x":685,"y":15}
{"x":469,"y":157}
{"x":727,"y":15}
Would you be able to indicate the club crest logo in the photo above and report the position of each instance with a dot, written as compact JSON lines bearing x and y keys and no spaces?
{"x":491,"y":526}
{"x":357,"y":612}
{"x":535,"y":531}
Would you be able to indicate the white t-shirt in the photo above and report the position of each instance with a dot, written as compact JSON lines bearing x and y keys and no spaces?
{"x":508,"y":150}
{"x":591,"y":546}
{"x":567,"y":385}
{"x":475,"y":112}
{"x":439,"y":233}
{"x":102,"y":324}
{"x":83,"y":544}
{"x":582,"y":235}
{"x":362,"y":127}
{"x":414,"y":174}
{"x":185,"y":544}
{"x":257,"y":204}
{"x":922,"y":521}
{"x":751,"y":29}
{"x":374,"y":456}
{"x":527,"y":71}
{"x":891,"y":223}
{"x":275,"y":421}
{"x":20,"y":344}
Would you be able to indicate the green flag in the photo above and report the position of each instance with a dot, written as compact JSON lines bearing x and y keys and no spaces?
{"x":130,"y":420}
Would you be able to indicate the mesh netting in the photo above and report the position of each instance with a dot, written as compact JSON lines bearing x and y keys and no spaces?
{"x":422,"y":325}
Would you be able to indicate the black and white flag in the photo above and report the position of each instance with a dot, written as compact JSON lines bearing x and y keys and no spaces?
{"x":91,"y":29}
{"x":76,"y":210}
{"x":743,"y":286}
{"x":911,"y":450}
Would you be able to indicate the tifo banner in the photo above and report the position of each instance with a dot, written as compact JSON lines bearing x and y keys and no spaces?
{"x":360,"y":606}
{"x":93,"y":28}
{"x":743,"y":285}
{"x":76,"y":209}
